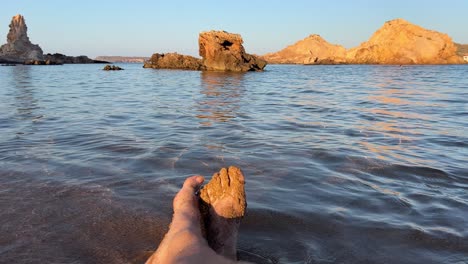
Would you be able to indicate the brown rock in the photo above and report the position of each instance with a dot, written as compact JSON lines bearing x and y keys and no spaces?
{"x":18,"y":47}
{"x":174,"y":61}
{"x":400,"y":42}
{"x":223,"y":51}
{"x":112,"y":68}
{"x":311,"y":50}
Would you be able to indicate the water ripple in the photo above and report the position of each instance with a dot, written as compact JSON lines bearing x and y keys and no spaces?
{"x":344,"y":164}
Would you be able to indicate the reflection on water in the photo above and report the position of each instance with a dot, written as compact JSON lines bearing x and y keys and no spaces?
{"x":22,"y":82}
{"x":343,"y":164}
{"x":222,"y":93}
{"x":397,"y":108}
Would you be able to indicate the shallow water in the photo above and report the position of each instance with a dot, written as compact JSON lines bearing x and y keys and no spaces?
{"x":344,"y":164}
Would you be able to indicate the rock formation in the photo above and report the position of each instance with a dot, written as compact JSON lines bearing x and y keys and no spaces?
{"x":64,"y":59}
{"x":174,"y":61}
{"x":18,"y":47}
{"x":223,"y":51}
{"x":220,"y":51}
{"x":400,"y":42}
{"x":112,"y":68}
{"x":311,"y":50}
{"x":397,"y":42}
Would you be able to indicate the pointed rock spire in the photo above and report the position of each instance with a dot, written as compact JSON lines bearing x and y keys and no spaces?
{"x":18,"y":47}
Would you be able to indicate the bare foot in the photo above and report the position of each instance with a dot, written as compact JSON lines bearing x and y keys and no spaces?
{"x":184,"y":243}
{"x":223,"y":204}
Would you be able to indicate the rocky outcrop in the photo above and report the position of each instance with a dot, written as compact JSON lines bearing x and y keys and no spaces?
{"x":220,"y":51}
{"x":64,"y":59}
{"x":397,"y":42}
{"x":223,"y":51}
{"x":112,"y":68}
{"x":400,"y":42}
{"x":311,"y":50}
{"x":174,"y":61}
{"x":18,"y":47}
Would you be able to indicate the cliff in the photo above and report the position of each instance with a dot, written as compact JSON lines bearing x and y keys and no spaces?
{"x":18,"y":47}
{"x":400,"y":42}
{"x":311,"y":50}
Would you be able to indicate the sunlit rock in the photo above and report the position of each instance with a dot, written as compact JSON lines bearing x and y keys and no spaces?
{"x":223,"y":51}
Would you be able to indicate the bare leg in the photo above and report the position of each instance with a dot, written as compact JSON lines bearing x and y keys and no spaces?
{"x":223,"y":205}
{"x":184,"y":242}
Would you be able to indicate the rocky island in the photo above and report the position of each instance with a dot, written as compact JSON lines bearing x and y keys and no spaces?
{"x":20,"y":50}
{"x":396,"y":42}
{"x":220,"y":51}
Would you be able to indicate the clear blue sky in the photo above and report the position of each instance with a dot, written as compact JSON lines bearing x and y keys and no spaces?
{"x":140,"y":28}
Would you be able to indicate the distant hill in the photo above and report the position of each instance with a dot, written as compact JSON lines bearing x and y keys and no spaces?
{"x":462,"y":49}
{"x":122,"y":59}
{"x":311,"y":50}
{"x":396,"y":42}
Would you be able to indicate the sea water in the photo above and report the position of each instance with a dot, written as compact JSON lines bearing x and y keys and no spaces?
{"x":343,"y":164}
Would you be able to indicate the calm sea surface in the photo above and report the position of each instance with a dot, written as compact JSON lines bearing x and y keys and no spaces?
{"x":343,"y":164}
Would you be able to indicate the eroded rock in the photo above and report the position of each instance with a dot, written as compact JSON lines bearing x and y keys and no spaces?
{"x":223,"y":51}
{"x":18,"y":47}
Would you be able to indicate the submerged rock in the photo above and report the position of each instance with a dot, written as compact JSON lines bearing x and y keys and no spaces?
{"x":223,"y":51}
{"x":18,"y":47}
{"x":311,"y":50}
{"x":173,"y":61}
{"x":112,"y":68}
{"x":400,"y":42}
